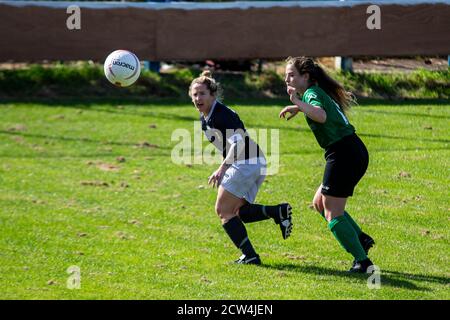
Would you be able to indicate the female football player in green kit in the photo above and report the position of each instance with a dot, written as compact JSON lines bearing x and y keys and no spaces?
{"x":324,"y":103}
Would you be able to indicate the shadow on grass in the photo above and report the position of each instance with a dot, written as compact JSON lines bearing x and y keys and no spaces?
{"x":86,"y":102}
{"x":146,"y":112}
{"x":420,"y":277}
{"x":140,"y":101}
{"x":280,"y":101}
{"x":95,"y":103}
{"x":390,"y":278}
{"x":132,"y":109}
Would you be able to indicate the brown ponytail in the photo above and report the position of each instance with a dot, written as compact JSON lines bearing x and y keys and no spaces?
{"x":317,"y":75}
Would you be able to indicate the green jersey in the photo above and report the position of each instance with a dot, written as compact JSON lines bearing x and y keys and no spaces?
{"x":336,"y":126}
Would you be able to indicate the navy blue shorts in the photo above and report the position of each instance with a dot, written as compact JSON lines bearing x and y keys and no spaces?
{"x":347,"y":162}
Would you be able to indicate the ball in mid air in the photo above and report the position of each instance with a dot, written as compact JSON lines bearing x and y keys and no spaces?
{"x":122,"y":68}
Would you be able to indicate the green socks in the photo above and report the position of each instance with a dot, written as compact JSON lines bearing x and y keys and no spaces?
{"x":349,"y":219}
{"x":353,"y":223}
{"x":347,"y":236}
{"x":347,"y":233}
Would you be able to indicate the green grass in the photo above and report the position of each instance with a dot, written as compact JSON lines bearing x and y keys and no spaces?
{"x":152,"y":233}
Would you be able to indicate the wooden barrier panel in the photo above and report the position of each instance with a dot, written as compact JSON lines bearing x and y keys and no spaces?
{"x":38,"y":31}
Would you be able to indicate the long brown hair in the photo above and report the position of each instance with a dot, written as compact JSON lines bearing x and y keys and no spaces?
{"x":317,"y":75}
{"x":211,"y":84}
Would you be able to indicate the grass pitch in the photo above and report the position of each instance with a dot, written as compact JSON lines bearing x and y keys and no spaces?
{"x":92,"y":185}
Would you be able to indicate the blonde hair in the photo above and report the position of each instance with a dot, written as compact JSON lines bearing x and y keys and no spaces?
{"x":317,"y":75}
{"x":211,"y":84}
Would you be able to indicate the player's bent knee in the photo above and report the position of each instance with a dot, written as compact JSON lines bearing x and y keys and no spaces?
{"x":223,"y":212}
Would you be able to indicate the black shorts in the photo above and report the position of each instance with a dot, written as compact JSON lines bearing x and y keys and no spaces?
{"x":347,"y":161}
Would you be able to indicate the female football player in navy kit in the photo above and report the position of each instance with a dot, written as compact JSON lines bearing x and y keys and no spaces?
{"x":241,"y":173}
{"x":324,"y":102}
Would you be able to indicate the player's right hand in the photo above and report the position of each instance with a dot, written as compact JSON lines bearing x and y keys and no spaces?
{"x":292,"y":110}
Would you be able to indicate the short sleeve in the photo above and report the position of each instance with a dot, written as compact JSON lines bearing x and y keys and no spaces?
{"x":229,"y":119}
{"x":313,"y":99}
{"x":231,"y":125}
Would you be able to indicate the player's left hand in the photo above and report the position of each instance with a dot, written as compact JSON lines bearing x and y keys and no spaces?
{"x":217,"y":176}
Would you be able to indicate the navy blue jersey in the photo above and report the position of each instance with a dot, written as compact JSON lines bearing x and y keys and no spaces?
{"x":223,"y":127}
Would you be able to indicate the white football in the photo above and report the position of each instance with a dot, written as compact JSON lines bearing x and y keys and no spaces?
{"x":122,"y":68}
